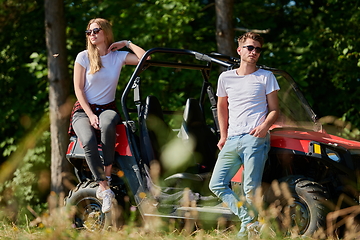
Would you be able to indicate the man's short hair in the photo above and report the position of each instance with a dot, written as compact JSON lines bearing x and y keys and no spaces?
{"x":251,"y":35}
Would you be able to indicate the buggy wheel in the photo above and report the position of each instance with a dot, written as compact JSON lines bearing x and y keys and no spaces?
{"x":88,"y":214}
{"x":305,"y":213}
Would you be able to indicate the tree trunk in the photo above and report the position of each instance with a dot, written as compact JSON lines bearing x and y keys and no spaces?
{"x":59,"y":81}
{"x":225,"y":27}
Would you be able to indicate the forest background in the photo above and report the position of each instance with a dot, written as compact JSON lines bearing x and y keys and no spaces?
{"x":316,"y":41}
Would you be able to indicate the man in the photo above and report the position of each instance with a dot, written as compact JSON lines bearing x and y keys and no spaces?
{"x":247,"y":107}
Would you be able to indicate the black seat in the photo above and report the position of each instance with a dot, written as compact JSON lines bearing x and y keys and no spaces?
{"x":154,"y":132}
{"x":194,"y":126}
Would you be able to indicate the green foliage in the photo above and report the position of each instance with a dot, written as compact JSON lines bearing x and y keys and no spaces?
{"x":29,"y":185}
{"x":23,"y":84}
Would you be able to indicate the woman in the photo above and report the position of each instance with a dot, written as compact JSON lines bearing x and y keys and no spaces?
{"x":96,"y":74}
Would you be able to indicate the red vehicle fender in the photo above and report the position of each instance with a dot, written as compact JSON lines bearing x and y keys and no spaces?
{"x":300,"y":141}
{"x":122,"y":143}
{"x":238,"y":178}
{"x":70,"y":147}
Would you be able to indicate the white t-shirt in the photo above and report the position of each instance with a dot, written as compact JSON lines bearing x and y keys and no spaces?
{"x":100,"y":88}
{"x":247,"y":103}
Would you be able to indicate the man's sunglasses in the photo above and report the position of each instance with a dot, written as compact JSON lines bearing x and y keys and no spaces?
{"x":95,"y":31}
{"x":251,"y":48}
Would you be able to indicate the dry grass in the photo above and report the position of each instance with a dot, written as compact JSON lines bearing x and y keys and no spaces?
{"x":57,"y":224}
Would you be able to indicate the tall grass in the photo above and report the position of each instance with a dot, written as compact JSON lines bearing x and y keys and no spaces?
{"x":56,"y":223}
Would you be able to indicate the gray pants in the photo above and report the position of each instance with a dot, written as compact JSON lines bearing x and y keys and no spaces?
{"x":108,"y":120}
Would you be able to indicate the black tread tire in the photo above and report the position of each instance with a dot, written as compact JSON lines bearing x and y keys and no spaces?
{"x":88,"y":213}
{"x":309,"y":208}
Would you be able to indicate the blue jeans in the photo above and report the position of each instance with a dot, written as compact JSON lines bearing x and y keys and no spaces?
{"x":238,"y":150}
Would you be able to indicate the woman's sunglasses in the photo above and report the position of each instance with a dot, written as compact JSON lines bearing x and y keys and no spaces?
{"x":251,"y":48}
{"x":95,"y":31}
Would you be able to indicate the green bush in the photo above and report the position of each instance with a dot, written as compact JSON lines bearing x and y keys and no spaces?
{"x":29,"y":184}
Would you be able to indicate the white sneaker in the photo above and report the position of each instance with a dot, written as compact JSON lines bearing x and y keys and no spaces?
{"x":99,"y":193}
{"x":108,"y":196}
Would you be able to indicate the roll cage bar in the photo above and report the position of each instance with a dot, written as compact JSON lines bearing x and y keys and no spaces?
{"x":144,"y":64}
{"x":219,"y":59}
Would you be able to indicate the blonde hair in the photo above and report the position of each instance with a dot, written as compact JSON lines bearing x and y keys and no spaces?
{"x":251,"y":35}
{"x":93,"y":52}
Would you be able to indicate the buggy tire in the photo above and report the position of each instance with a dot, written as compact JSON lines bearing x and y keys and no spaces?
{"x":308,"y":208}
{"x":88,"y":214}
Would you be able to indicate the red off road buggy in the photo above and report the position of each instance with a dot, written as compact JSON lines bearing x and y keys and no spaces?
{"x":166,"y":150}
